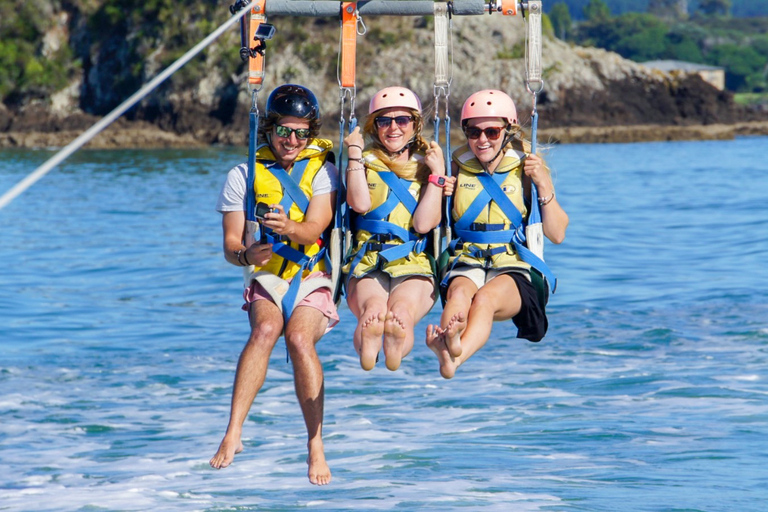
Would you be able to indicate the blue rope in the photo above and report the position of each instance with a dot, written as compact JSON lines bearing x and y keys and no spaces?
{"x":535,"y":216}
{"x":253,"y":126}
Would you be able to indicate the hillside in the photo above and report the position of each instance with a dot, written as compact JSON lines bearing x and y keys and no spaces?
{"x":111,"y":55}
{"x":738,"y":8}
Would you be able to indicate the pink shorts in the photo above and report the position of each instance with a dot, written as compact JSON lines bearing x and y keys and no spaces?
{"x":320,"y":299}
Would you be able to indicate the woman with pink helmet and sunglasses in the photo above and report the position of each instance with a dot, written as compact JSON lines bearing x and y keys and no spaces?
{"x":395,"y":187}
{"x":490,"y":274}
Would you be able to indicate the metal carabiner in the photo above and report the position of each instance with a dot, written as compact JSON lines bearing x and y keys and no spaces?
{"x":361,"y":28}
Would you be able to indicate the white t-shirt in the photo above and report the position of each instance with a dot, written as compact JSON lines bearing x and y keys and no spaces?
{"x":232,"y":197}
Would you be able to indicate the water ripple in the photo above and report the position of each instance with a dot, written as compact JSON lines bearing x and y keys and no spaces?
{"x":120,"y":330}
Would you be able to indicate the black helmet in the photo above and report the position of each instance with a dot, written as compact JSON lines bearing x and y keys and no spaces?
{"x":293,"y":100}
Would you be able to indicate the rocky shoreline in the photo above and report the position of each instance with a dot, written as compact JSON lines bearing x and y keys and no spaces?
{"x":591,"y":96}
{"x":142,"y":135}
{"x":650,"y":133}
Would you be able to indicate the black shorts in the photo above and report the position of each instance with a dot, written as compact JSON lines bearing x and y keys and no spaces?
{"x":531,"y":321}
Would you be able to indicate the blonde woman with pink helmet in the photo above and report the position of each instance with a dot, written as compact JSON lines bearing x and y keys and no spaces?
{"x":395,"y":186}
{"x":490,"y":275}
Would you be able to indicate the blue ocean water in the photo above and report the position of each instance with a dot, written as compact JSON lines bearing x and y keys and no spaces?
{"x":120,"y":328}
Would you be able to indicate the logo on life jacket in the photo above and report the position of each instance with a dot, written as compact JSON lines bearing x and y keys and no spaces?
{"x":470,"y":186}
{"x":509,"y":189}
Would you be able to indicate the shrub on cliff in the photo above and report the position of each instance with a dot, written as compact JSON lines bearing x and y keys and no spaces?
{"x":31,"y":67}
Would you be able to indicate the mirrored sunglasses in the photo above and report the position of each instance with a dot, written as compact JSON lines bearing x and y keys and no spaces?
{"x":285,"y":132}
{"x":473,"y":132}
{"x":385,"y":121}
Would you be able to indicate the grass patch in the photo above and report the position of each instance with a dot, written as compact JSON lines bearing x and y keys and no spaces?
{"x":751,"y":98}
{"x":516,"y":52}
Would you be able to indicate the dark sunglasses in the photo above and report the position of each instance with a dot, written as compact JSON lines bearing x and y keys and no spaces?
{"x":473,"y":132}
{"x":285,"y":132}
{"x":385,"y":122}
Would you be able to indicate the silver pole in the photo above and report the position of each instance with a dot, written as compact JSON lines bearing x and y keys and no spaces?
{"x":322,"y":8}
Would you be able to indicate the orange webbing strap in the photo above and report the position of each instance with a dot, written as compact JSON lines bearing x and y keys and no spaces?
{"x":509,"y":7}
{"x":348,"y":43}
{"x":256,"y":62}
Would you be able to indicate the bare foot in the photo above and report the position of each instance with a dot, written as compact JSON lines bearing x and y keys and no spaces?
{"x":394,"y":340}
{"x":453,"y":330}
{"x":436,"y":342}
{"x":370,"y":336}
{"x":319,"y":473}
{"x":229,"y":446}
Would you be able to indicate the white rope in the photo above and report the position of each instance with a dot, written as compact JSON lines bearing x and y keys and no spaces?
{"x":533,"y":53}
{"x":94,"y":130}
{"x":441,"y":45}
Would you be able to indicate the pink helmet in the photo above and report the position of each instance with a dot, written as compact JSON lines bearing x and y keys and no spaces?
{"x":394,"y":97}
{"x":489,"y":103}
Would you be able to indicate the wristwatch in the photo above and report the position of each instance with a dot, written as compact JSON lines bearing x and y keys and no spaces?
{"x":437,"y":180}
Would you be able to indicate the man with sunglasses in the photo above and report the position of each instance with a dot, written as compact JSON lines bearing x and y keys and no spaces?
{"x":274,"y":219}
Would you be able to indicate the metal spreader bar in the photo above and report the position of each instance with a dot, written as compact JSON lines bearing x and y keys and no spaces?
{"x":323,"y":8}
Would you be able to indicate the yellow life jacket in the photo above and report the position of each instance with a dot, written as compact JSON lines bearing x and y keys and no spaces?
{"x":384,"y":236}
{"x":491,"y":217}
{"x":268,"y":188}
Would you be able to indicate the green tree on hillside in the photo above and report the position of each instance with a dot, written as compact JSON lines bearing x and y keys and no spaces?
{"x":714,"y":7}
{"x":561,"y":20}
{"x":668,"y":8}
{"x":682,"y":46}
{"x":744,"y":66}
{"x":738,"y":8}
{"x":27,"y":66}
{"x":597,"y":11}
{"x":636,"y":36}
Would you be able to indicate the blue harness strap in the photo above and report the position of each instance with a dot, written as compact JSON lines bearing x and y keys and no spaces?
{"x":534,"y":217}
{"x":375,"y":223}
{"x":250,"y":201}
{"x":467,"y":232}
{"x":384,"y":209}
{"x":292,"y":194}
{"x":289,"y":299}
{"x":447,"y":201}
{"x":397,"y":186}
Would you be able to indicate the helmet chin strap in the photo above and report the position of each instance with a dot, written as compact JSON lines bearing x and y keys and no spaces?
{"x":401,"y":150}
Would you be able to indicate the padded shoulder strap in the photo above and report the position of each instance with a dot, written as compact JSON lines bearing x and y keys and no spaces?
{"x":491,"y":184}
{"x":397,"y":186}
{"x":291,"y":185}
